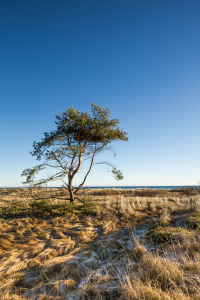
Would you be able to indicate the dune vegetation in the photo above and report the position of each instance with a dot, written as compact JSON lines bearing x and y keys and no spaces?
{"x":136,"y":244}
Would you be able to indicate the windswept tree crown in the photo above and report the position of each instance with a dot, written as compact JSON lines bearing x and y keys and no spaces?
{"x":75,"y":127}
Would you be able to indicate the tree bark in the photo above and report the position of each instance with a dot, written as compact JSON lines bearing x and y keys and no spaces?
{"x":71,"y":195}
{"x":70,"y":189}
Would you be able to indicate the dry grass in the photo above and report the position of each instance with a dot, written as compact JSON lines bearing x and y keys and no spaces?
{"x":127,"y":246}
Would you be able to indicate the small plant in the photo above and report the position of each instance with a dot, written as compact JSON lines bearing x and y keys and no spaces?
{"x":163,"y":235}
{"x":159,"y":235}
{"x":41,"y":208}
{"x":192,"y":220}
{"x":17,"y":208}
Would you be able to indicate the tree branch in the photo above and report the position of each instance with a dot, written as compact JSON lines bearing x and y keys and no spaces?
{"x":91,"y":164}
{"x":59,"y":162}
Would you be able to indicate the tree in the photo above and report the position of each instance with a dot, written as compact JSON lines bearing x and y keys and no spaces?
{"x":78,"y":136}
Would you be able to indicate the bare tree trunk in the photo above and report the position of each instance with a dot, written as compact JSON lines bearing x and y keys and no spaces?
{"x":70,"y":189}
{"x":71,"y":195}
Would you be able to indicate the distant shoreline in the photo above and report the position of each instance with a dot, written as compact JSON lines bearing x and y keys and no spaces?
{"x":117,"y":187}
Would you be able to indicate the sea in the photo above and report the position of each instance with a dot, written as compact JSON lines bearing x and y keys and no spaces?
{"x":165,"y":187}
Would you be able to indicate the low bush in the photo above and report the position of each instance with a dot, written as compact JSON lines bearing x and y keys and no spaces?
{"x":192,"y":220}
{"x":187,"y":190}
{"x":163,"y":235}
{"x":45,"y":208}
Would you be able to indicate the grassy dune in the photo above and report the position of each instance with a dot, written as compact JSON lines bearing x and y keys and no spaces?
{"x":118,"y":244}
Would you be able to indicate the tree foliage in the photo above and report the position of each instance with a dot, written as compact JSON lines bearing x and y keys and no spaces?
{"x":78,"y":136}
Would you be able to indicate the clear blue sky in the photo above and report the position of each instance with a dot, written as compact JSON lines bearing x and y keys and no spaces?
{"x":139,"y":58}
